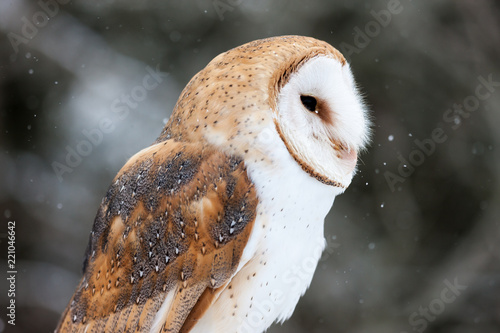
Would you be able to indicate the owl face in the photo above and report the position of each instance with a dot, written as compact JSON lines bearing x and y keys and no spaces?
{"x":299,"y":88}
{"x":321,"y":119}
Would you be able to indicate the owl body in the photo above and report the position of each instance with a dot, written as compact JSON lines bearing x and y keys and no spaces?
{"x":281,"y":255}
{"x":218,"y":226}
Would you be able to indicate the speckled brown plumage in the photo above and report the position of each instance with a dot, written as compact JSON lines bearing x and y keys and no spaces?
{"x":175,"y":217}
{"x":237,"y":84}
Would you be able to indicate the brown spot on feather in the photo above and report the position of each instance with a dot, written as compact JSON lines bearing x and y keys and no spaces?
{"x":324,"y":112}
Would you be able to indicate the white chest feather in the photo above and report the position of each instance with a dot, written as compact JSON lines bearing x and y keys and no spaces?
{"x":282,"y":253}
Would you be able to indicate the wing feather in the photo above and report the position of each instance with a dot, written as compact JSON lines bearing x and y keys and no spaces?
{"x":174,"y":222}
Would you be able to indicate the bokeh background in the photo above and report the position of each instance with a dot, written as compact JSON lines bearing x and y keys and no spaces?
{"x":399,"y":236}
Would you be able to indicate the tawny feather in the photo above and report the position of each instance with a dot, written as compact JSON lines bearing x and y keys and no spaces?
{"x":143,"y":243}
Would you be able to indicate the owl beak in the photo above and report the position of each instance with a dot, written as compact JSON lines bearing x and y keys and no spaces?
{"x":349,"y":158}
{"x":347,"y":155}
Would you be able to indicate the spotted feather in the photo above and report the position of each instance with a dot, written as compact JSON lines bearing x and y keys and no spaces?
{"x":176,"y":218}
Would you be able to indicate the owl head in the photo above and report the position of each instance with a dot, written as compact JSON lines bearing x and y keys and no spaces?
{"x":293,"y":92}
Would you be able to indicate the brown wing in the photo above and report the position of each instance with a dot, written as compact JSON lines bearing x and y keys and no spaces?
{"x":174,"y":222}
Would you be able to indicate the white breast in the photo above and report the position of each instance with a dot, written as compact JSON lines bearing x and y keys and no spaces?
{"x":283,"y":250}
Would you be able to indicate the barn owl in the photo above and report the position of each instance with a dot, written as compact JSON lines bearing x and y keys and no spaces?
{"x":218,"y":225}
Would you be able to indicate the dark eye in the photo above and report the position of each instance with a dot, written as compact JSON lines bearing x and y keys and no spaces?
{"x":309,"y":102}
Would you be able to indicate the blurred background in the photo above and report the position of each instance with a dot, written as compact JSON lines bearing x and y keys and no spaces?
{"x":413,"y":244}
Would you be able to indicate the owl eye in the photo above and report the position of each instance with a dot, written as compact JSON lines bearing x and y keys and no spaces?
{"x":309,"y":102}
